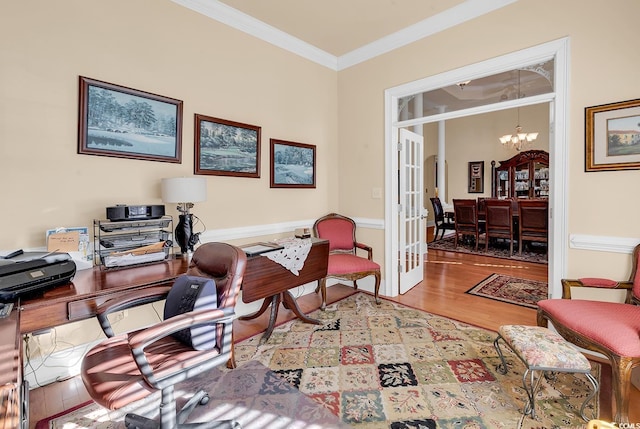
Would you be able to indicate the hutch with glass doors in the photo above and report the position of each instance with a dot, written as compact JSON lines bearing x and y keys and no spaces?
{"x":526,"y":175}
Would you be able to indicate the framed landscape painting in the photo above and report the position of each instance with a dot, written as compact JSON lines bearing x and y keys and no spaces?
{"x":127,"y":123}
{"x":226,"y":148}
{"x":612,"y":136}
{"x":293,"y":165}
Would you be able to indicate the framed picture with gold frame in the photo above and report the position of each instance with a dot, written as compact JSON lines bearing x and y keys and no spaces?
{"x":476,"y":177}
{"x":612,"y":136}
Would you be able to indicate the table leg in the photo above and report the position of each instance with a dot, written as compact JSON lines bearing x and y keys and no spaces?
{"x":265,"y":305}
{"x":291,"y":304}
{"x":275,"y":304}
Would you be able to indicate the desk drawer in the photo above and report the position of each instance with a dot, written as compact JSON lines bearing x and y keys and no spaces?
{"x":85,"y":308}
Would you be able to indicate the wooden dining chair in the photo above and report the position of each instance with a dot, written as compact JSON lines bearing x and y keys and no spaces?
{"x":443,"y":222}
{"x":498,"y":222}
{"x":533,"y":221}
{"x":466,"y":220}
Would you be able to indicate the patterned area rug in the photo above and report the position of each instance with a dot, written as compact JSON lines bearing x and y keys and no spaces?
{"x":513,"y":290}
{"x":532,"y":252}
{"x":252,"y":394}
{"x":391,"y":366}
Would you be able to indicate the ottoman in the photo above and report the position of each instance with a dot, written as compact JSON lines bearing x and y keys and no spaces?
{"x":542,"y":351}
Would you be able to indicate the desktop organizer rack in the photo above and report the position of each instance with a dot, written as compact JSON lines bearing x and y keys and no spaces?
{"x":122,"y":244}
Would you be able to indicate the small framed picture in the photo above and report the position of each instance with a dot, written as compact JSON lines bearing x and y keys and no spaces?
{"x":128,"y":123}
{"x":293,"y":165}
{"x":476,"y":177}
{"x":226,"y":148}
{"x":612,"y":136}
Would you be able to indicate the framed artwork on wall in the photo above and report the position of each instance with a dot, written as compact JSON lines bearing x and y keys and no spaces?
{"x":612,"y":136}
{"x":128,"y":123}
{"x":226,"y":148}
{"x":293,"y":165}
{"x":476,"y":177}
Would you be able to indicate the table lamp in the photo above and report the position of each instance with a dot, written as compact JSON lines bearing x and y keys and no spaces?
{"x":185,"y":191}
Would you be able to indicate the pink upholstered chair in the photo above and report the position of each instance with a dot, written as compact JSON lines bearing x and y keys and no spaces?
{"x":344,"y":263}
{"x":609,"y":328}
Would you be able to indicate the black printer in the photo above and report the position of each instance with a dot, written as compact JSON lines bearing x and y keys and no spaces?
{"x":33,"y":272}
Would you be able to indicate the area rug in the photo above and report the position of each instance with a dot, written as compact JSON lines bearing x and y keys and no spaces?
{"x":251,"y":394}
{"x":534,"y":252}
{"x":513,"y":290}
{"x":392,"y":366}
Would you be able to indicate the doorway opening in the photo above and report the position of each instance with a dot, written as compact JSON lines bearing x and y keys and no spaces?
{"x":557,"y":99}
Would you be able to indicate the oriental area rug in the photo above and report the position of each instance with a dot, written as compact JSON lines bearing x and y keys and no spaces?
{"x":391,"y":367}
{"x":531,"y":252}
{"x":513,"y":290}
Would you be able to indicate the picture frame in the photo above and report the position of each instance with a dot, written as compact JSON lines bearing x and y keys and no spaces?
{"x":123,"y":122}
{"x":476,"y":177}
{"x":293,"y":165}
{"x":612,"y":136}
{"x":226,"y":148}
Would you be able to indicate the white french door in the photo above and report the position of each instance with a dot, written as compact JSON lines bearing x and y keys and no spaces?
{"x":411,"y":213}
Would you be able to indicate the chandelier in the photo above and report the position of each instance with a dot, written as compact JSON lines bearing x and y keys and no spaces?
{"x":520,"y":139}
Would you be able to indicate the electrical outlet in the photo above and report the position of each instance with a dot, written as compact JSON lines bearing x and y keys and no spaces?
{"x":376,"y":193}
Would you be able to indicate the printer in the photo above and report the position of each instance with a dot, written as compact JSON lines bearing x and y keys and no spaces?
{"x":33,"y":272}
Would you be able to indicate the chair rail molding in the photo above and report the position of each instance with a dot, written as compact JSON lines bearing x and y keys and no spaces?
{"x":253,"y":231}
{"x":603,"y":243}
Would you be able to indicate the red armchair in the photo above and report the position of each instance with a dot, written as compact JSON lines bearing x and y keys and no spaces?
{"x":609,"y":328}
{"x":344,"y":263}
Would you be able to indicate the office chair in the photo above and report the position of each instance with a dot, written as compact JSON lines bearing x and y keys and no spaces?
{"x":128,"y":367}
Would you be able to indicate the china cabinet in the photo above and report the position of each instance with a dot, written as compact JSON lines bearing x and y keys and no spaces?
{"x":526,"y":175}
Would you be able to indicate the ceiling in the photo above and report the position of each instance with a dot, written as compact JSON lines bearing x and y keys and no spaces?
{"x":341,"y":33}
{"x":341,"y":26}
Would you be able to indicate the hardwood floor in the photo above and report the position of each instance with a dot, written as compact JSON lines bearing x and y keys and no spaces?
{"x":447,"y":277}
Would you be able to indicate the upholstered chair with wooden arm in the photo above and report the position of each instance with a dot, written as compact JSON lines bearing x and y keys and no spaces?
{"x":344,"y":262}
{"x":609,"y":328}
{"x":129,"y":367}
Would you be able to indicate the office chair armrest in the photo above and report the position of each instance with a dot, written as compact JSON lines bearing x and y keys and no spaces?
{"x":128,"y":300}
{"x":368,"y":249}
{"x":140,"y":340}
{"x":596,"y":283}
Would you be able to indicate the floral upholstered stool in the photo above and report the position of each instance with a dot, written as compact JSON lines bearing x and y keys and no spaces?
{"x":543,"y":351}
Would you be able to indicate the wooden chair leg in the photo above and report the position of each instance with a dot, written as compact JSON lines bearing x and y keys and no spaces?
{"x":377,"y":288}
{"x":323,"y":293}
{"x":621,"y":382}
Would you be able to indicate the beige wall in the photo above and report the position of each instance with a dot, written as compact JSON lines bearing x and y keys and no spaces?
{"x":603,"y":35}
{"x":162,"y":48}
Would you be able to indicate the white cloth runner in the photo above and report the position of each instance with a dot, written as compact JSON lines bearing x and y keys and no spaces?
{"x":293,"y":255}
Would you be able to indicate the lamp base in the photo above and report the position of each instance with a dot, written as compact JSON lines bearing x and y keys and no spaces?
{"x":184,"y":233}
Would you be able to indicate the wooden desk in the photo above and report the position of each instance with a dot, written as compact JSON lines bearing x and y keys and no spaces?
{"x":268,"y":280}
{"x":90,"y":288}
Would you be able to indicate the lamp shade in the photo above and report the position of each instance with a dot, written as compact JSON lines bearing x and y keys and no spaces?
{"x":184,"y":190}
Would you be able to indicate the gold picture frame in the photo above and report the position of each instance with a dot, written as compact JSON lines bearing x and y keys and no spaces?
{"x":612,"y":136}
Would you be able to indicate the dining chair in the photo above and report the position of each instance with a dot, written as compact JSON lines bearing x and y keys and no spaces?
{"x":498,"y":221}
{"x":443,"y":221}
{"x":466,"y":220}
{"x":533,"y":221}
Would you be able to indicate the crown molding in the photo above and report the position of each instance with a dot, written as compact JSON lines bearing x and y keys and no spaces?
{"x":254,"y":27}
{"x":463,"y":12}
{"x":227,"y":15}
